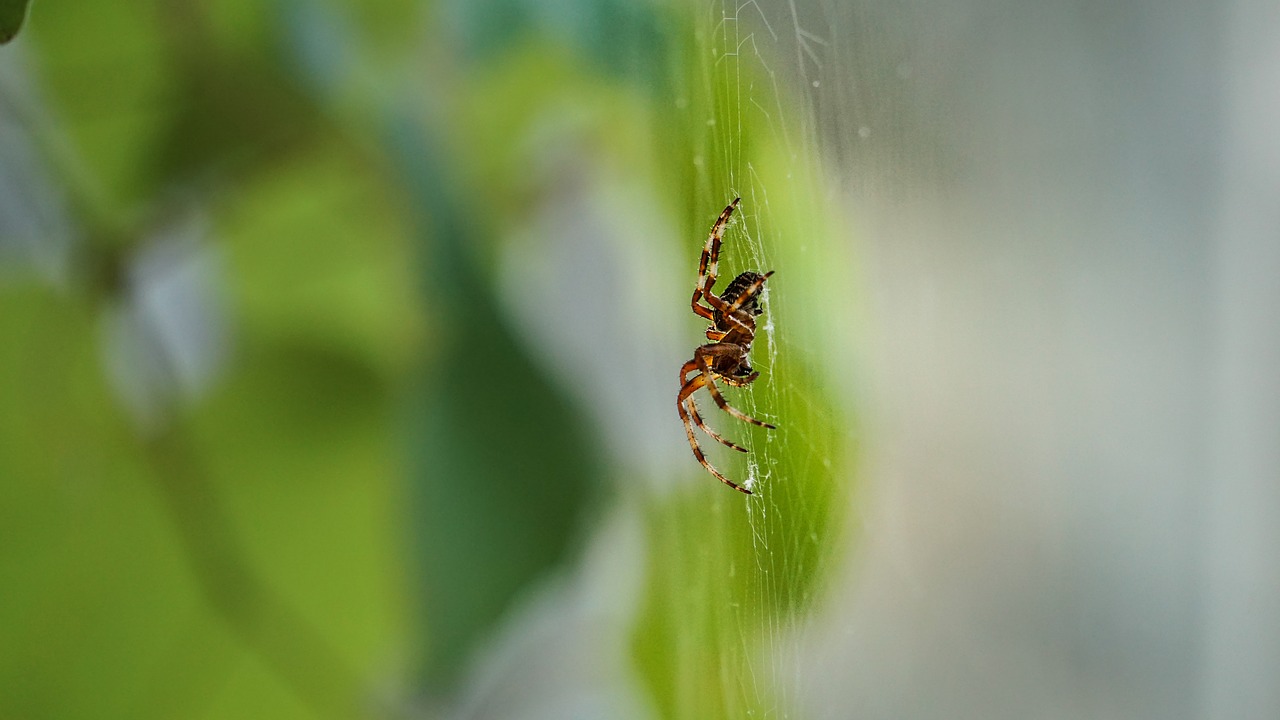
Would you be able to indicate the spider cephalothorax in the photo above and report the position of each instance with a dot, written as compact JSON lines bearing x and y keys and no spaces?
{"x":733,"y":328}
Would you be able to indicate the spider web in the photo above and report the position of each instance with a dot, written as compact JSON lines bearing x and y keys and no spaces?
{"x":732,"y":580}
{"x":764,"y":64}
{"x":971,"y":106}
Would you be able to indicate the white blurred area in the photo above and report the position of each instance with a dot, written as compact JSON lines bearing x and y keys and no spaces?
{"x":1069,"y":221}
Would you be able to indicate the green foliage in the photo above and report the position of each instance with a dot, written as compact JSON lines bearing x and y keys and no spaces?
{"x":382,"y":467}
{"x":12,"y":14}
{"x":505,"y":466}
{"x":244,"y":557}
{"x":502,"y":465}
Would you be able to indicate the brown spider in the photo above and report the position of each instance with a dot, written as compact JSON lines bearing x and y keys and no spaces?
{"x":733,"y":328}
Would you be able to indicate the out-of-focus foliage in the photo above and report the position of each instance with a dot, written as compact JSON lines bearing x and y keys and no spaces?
{"x":232,"y":548}
{"x":12,"y":13}
{"x":274,"y":442}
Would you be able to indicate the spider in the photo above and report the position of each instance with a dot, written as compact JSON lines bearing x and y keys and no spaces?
{"x":733,"y":328}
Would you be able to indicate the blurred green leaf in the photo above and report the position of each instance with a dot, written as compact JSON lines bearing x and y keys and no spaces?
{"x":504,"y":466}
{"x":301,"y":437}
{"x":12,"y":14}
{"x":504,"y":471}
{"x":230,"y":115}
{"x":321,"y":258}
{"x":202,"y":571}
{"x":97,"y":597}
{"x":108,"y":73}
{"x":622,"y":38}
{"x":243,"y":559}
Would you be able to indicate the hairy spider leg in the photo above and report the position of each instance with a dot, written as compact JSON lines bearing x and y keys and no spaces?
{"x":709,"y":380}
{"x":686,"y":390}
{"x":697,"y":420}
{"x":708,"y":269}
{"x":700,"y":360}
{"x":709,"y":263}
{"x":740,"y":382}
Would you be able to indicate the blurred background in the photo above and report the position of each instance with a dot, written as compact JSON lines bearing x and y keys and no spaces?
{"x":339,"y":342}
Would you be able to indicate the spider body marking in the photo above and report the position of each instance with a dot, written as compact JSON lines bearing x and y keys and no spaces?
{"x":732,"y":315}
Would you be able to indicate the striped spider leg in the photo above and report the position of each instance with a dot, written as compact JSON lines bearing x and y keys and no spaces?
{"x":733,"y":327}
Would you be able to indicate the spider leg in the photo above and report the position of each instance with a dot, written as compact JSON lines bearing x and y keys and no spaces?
{"x":710,"y":261}
{"x":697,"y":420}
{"x":741,"y":382}
{"x":686,"y":390}
{"x":700,"y":357}
{"x":732,"y":319}
{"x":692,"y":366}
{"x":711,"y":252}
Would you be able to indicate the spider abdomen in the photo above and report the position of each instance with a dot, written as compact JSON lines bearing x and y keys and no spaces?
{"x":734,"y":290}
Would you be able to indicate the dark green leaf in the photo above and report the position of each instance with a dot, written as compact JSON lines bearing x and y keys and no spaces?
{"x":12,"y":13}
